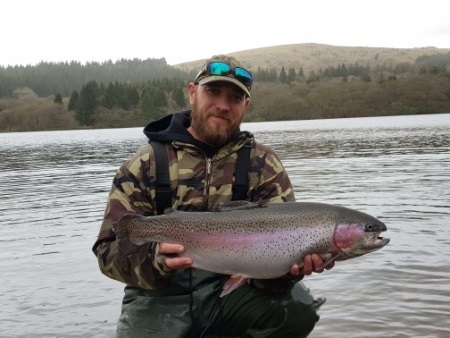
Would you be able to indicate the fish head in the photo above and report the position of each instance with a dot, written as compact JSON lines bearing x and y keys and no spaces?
{"x":357,"y":239}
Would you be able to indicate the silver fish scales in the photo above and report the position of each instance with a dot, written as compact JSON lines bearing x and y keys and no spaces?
{"x":257,"y":240}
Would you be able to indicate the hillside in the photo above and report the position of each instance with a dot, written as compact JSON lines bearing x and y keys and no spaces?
{"x":318,"y":81}
{"x":313,"y":57}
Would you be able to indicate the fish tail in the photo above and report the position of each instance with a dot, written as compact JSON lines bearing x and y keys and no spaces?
{"x":120,"y":229}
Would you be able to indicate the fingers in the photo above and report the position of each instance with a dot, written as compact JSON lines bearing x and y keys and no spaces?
{"x":172,"y":260}
{"x":317,"y":262}
{"x":296,"y":270}
{"x":308,"y":265}
{"x":329,"y":265}
{"x":170,"y":248}
{"x":327,"y":258}
{"x":312,"y":263}
{"x":178,"y":262}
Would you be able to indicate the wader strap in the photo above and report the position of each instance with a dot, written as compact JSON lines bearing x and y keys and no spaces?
{"x":241,"y":185}
{"x":163,"y":190}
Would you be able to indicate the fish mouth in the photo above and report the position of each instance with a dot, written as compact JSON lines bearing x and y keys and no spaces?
{"x":382,"y":241}
{"x":373,"y":231}
{"x":376,"y":241}
{"x":368,"y":243}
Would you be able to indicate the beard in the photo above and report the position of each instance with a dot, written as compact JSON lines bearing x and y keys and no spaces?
{"x":214,"y":134}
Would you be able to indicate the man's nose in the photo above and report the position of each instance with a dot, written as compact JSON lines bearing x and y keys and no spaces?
{"x":223,"y":102}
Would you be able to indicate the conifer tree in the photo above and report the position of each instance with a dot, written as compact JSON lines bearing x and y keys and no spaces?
{"x":87,"y":103}
{"x":178,"y":97}
{"x":301,"y":74}
{"x":291,"y":75}
{"x":147,"y":104}
{"x":108,"y":98}
{"x":283,"y":75}
{"x":133,"y":96}
{"x":73,"y":101}
{"x":58,"y":99}
{"x":272,"y":75}
{"x":159,"y":99}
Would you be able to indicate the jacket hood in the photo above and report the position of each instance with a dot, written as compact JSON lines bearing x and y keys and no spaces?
{"x":174,"y":127}
{"x":170,"y":128}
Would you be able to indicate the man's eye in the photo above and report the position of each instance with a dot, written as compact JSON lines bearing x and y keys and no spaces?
{"x":237,"y":98}
{"x":212,"y":89}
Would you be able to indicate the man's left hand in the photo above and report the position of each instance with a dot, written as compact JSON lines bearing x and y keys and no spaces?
{"x":312,"y":263}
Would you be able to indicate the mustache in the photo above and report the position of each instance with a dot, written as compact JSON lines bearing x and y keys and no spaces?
{"x":223,"y":116}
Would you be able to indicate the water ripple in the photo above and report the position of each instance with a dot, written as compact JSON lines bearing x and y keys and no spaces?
{"x":55,"y":186}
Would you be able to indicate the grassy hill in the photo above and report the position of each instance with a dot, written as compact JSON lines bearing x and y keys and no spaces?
{"x":313,"y":56}
{"x":381,"y":94}
{"x":393,"y":84}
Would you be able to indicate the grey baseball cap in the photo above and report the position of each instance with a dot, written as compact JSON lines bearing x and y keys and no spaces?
{"x":236,"y":74}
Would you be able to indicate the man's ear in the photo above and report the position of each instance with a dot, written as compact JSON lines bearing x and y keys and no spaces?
{"x":191,"y":89}
{"x":247,"y":102}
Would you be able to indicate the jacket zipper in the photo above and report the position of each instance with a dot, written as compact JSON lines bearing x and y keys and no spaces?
{"x":207,"y":183}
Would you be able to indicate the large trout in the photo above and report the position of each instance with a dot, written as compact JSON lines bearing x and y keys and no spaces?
{"x":256,"y":240}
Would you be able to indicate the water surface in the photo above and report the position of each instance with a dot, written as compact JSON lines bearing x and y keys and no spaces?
{"x":55,"y":185}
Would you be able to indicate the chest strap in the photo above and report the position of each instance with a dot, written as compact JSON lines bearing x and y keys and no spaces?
{"x":163,"y":190}
{"x":241,"y":185}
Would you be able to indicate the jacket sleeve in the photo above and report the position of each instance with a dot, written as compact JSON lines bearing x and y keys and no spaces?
{"x":131,"y":193}
{"x":268,"y":179}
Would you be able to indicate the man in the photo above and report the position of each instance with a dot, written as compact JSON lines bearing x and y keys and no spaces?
{"x":164,"y":296}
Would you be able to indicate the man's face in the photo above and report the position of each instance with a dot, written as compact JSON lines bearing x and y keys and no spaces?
{"x":217,"y":111}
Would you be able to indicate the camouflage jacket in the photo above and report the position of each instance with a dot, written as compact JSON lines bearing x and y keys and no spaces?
{"x":200,"y":181}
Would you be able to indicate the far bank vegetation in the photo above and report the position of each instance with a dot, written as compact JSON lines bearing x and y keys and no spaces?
{"x":130,"y":93}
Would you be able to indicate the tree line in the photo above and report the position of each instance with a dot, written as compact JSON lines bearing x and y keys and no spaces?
{"x":427,"y":64}
{"x":48,"y":78}
{"x":150,"y":100}
{"x":425,"y":93}
{"x":343,"y":90}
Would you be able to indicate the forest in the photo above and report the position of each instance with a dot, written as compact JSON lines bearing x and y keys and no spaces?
{"x":130,"y":93}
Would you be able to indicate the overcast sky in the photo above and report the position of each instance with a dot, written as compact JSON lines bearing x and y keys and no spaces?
{"x":186,"y":30}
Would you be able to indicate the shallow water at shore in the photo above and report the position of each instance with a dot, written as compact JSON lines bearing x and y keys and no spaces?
{"x":397,"y":168}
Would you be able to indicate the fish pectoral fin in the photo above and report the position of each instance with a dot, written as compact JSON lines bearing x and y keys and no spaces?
{"x":333,"y":258}
{"x":232,"y":284}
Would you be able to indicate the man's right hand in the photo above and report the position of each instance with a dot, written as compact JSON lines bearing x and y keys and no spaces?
{"x":173,"y":261}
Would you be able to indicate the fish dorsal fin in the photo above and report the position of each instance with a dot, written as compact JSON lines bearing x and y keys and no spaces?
{"x":169,"y":211}
{"x":239,"y":205}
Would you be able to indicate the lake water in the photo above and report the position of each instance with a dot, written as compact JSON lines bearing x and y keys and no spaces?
{"x":54,"y":187}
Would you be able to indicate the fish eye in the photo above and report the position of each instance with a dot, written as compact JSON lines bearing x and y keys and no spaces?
{"x":370,"y":227}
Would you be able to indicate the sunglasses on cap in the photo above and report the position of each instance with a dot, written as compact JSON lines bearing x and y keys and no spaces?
{"x":221,"y":68}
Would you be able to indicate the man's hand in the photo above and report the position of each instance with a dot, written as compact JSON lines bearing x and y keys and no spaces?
{"x":173,"y":261}
{"x":312,"y":263}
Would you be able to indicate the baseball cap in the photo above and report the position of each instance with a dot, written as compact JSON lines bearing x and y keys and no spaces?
{"x":225,"y":68}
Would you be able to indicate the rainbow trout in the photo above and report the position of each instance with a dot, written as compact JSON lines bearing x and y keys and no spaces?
{"x":256,"y":240}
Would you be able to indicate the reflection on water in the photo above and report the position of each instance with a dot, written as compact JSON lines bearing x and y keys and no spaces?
{"x":55,"y":186}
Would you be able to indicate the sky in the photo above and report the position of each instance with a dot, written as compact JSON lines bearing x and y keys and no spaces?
{"x":186,"y":30}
